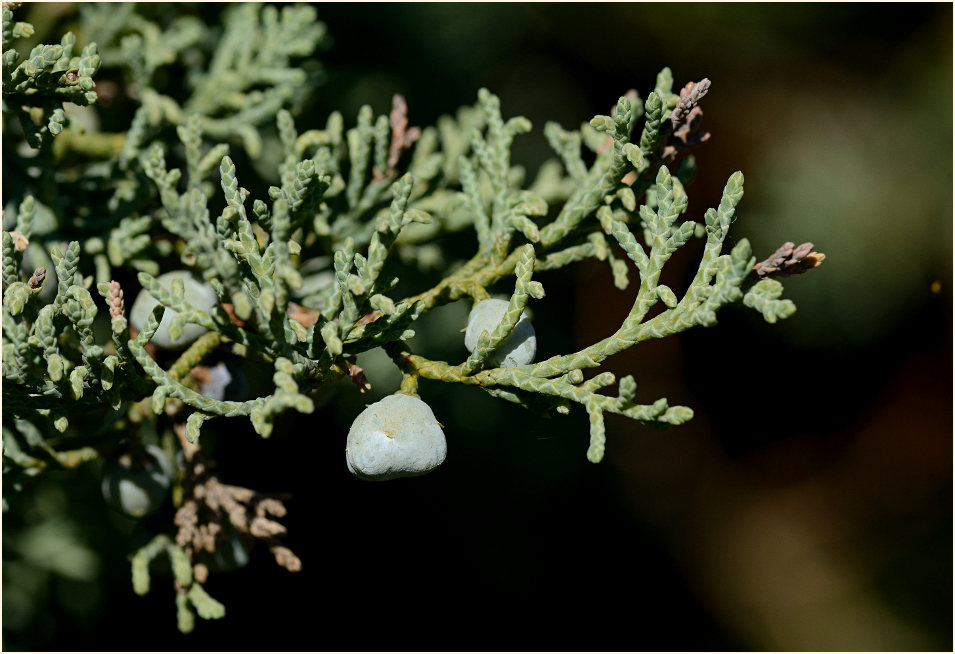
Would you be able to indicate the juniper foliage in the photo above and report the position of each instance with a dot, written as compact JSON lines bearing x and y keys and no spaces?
{"x":299,"y":271}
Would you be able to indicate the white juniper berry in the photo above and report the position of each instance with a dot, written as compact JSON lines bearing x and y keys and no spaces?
{"x":137,"y":487}
{"x":397,"y":436}
{"x":517,"y":350}
{"x":197,"y":294}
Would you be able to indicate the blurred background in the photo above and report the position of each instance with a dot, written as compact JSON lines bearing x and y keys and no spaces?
{"x":807,"y":506}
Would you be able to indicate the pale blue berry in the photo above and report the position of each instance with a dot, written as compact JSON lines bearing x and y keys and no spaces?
{"x":137,"y":488}
{"x":225,"y":381}
{"x":518,"y":349}
{"x":198,"y":294}
{"x":229,"y":555}
{"x":395,"y":437}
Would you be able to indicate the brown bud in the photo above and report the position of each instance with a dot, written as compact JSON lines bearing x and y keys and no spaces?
{"x":789,"y":260}
{"x":36,"y":282}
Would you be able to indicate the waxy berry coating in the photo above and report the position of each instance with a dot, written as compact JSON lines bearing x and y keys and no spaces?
{"x":137,"y":490}
{"x":198,"y":294}
{"x":518,"y":349}
{"x":395,"y":437}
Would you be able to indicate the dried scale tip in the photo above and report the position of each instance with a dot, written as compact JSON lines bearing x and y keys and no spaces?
{"x":402,"y":136}
{"x":685,"y":120}
{"x":236,"y":320}
{"x":20,"y":242}
{"x":36,"y":281}
{"x":690,"y":95}
{"x":357,"y":375}
{"x":689,"y":132}
{"x":789,"y":260}
{"x":286,"y":558}
{"x":212,"y":512}
{"x":369,"y":318}
{"x":305,"y":317}
{"x":114,"y":298}
{"x":200,"y":571}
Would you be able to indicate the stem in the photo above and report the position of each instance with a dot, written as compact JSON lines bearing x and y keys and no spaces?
{"x":193,"y":356}
{"x":95,"y":146}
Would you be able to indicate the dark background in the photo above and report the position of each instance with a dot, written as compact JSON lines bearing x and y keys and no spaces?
{"x":808,"y":504}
